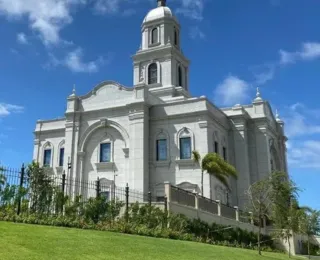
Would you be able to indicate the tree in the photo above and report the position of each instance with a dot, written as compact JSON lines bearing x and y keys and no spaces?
{"x":41,"y":188}
{"x":310,"y":224}
{"x":260,"y":198}
{"x":285,"y":211}
{"x":289,"y":225}
{"x":216,"y":166}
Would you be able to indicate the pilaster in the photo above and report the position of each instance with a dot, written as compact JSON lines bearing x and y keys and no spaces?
{"x":241,"y":158}
{"x":139,"y":146}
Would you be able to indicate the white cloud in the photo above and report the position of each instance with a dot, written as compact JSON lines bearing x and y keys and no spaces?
{"x":231,"y":91}
{"x":308,"y":51}
{"x":304,"y":154}
{"x":263,"y":73}
{"x":107,"y":6}
{"x":301,"y":121}
{"x":196,"y":33}
{"x":75,"y":62}
{"x":192,"y":9}
{"x":22,"y":38}
{"x":7,"y":109}
{"x":46,"y":17}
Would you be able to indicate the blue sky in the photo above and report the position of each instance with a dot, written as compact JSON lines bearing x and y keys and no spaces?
{"x":234,"y":46}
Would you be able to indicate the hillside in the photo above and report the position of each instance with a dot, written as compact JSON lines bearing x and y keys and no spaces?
{"x":20,"y":241}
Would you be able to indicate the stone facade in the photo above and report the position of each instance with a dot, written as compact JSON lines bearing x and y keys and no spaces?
{"x":159,"y":107}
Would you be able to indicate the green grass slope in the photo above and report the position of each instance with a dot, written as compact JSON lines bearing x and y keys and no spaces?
{"x":20,"y":241}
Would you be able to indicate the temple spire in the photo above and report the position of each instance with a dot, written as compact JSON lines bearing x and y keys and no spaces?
{"x":73,"y":91}
{"x":161,"y":3}
{"x":258,"y":96}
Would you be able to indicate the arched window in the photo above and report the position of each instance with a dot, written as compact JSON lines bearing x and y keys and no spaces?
{"x":185,"y":137}
{"x":152,"y":73}
{"x":61,"y":154}
{"x":179,"y":76}
{"x":175,"y":37}
{"x":154,"y":36}
{"x":47,"y":155}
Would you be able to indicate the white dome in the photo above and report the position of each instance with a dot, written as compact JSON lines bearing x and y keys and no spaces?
{"x":158,"y":13}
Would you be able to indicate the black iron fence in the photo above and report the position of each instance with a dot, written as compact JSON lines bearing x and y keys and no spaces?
{"x":25,"y":193}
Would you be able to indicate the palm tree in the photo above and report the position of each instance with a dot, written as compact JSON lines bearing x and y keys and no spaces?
{"x":216,"y":166}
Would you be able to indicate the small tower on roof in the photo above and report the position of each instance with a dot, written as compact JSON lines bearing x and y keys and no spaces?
{"x":160,"y":63}
{"x":161,"y":3}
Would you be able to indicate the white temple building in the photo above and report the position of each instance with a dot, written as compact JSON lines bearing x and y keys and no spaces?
{"x":144,"y":135}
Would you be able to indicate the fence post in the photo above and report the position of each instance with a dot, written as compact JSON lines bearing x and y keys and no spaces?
{"x":20,"y":186}
{"x":219,"y":207}
{"x":63,"y":189}
{"x":98,"y":188}
{"x":251,"y":218}
{"x":127,"y":204}
{"x":63,"y":182}
{"x":196,"y":200}
{"x":237,"y":213}
{"x":149,"y":199}
{"x":167,"y":192}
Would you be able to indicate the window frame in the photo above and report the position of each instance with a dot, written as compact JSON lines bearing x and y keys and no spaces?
{"x":181,"y":147}
{"x":175,"y":37}
{"x":216,"y":147}
{"x":152,"y":42}
{"x":100,"y":152}
{"x":158,"y":151}
{"x":44,"y":157}
{"x":224,"y":153}
{"x":61,"y":158}
{"x":155,"y":79}
{"x":180,"y":78}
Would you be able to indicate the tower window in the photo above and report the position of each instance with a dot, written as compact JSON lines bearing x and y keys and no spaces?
{"x":154,"y":36}
{"x":179,"y":76}
{"x":152,"y":73}
{"x":175,"y":37}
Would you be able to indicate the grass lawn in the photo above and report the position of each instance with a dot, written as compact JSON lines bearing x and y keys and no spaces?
{"x":23,"y":241}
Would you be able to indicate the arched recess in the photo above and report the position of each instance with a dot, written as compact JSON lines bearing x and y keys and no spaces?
{"x":274,"y":158}
{"x":216,"y":142}
{"x":103,"y":123}
{"x":188,"y":186}
{"x":185,"y":132}
{"x":223,"y":194}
